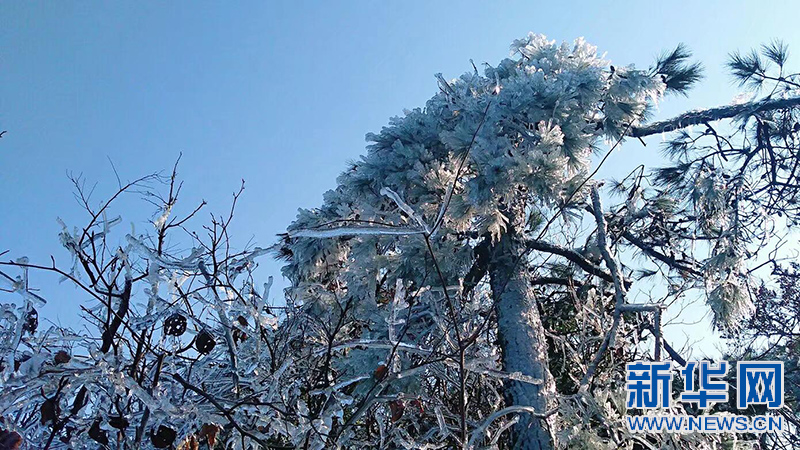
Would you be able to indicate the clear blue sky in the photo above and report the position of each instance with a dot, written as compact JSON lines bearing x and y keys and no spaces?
{"x":281,"y":94}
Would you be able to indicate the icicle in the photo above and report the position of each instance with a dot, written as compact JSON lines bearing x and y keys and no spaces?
{"x":405,"y":207}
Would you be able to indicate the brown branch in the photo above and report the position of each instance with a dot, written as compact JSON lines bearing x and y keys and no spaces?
{"x":479,"y":266}
{"x":153,"y":386}
{"x":111,"y":331}
{"x":55,"y":270}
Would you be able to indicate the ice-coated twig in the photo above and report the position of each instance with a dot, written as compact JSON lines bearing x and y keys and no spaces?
{"x":379,"y":344}
{"x":188,"y":263}
{"x":236,"y":266}
{"x":355,"y":231}
{"x":478,"y":433}
{"x":161,"y":222}
{"x":709,"y":115}
{"x":19,"y":286}
{"x":331,"y":389}
{"x":406,"y":208}
{"x":267,"y":288}
{"x":516,"y":376}
{"x":219,"y":306}
{"x":619,"y":286}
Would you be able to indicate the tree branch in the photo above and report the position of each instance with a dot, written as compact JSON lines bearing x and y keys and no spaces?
{"x":619,"y":287}
{"x":572,"y":256}
{"x":712,"y":114}
{"x":225,"y":412}
{"x":111,"y":331}
{"x":648,"y":250}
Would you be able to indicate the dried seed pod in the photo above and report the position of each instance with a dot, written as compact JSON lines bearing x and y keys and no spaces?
{"x":380,"y":372}
{"x":118,"y":422}
{"x":397,"y":407}
{"x":67,"y":436}
{"x":204,"y":342}
{"x":31,"y":321}
{"x":209,"y":432}
{"x":175,"y":325}
{"x":190,"y":443}
{"x":61,"y":357}
{"x":163,"y":437}
{"x":239,"y":335}
{"x":49,"y":411}
{"x":98,"y":434}
{"x":18,"y":362}
{"x":10,"y":440}
{"x":80,"y":400}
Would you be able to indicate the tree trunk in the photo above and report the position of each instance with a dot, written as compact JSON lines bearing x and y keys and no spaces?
{"x":522,"y":341}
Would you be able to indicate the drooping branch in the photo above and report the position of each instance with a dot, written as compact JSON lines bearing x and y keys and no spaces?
{"x":656,"y":309}
{"x":712,"y":114}
{"x":479,"y":268}
{"x":670,"y":350}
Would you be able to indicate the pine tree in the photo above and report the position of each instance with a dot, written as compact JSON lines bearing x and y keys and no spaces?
{"x":466,"y":190}
{"x":463,"y":187}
